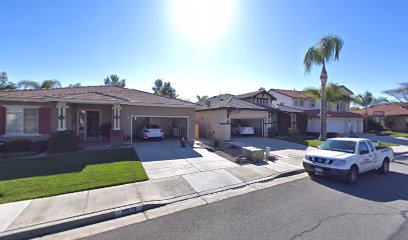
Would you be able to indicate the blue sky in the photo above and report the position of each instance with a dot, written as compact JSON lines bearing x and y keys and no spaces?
{"x":247,"y":44}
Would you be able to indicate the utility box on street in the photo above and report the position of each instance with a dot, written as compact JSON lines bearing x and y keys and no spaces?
{"x":252,"y":153}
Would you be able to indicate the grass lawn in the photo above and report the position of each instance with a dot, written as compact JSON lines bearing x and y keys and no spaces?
{"x":315,"y":143}
{"x":396,"y":134}
{"x":27,"y":178}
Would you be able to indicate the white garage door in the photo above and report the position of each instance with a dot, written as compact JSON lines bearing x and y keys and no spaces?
{"x":337,"y":125}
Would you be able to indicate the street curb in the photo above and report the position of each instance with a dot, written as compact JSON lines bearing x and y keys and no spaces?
{"x":93,"y":218}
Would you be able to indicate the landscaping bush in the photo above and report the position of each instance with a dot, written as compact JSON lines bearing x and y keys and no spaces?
{"x":272,"y":132}
{"x":332,"y":134}
{"x":38,"y":146}
{"x":2,"y":146}
{"x":374,"y":126}
{"x":294,"y":132}
{"x":18,"y":145}
{"x":61,"y":142}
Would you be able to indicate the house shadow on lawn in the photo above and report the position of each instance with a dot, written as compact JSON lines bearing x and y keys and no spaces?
{"x":372,"y":186}
{"x":62,"y":163}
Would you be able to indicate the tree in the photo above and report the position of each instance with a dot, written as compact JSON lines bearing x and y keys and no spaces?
{"x":400,"y":93}
{"x":74,"y":85}
{"x":326,"y":50}
{"x":114,"y":81}
{"x":201,"y":98}
{"x":5,"y":84}
{"x":333,"y":94}
{"x":164,"y":89}
{"x":29,"y":84}
{"x":367,"y":100}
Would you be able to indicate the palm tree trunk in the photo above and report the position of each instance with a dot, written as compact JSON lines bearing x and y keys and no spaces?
{"x":323,"y":104}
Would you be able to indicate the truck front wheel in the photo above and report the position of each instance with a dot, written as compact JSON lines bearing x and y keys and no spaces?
{"x":385,"y":167}
{"x":352,"y":175}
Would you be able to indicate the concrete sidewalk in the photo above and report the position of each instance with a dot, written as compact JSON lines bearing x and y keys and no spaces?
{"x":27,"y":219}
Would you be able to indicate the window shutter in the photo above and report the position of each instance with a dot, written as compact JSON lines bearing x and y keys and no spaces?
{"x":44,"y":120}
{"x":2,"y":120}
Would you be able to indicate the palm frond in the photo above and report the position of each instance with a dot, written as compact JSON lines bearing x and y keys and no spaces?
{"x":28,"y":84}
{"x":313,"y":92}
{"x":51,"y":83}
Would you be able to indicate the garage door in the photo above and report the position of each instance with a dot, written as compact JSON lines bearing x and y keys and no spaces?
{"x":173,"y":127}
{"x":336,"y":125}
{"x":257,"y":124}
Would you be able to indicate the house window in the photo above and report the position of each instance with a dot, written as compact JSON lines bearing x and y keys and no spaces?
{"x":21,"y":120}
{"x":262,"y":101}
{"x":296,"y":103}
{"x":301,"y":103}
{"x":312,"y":103}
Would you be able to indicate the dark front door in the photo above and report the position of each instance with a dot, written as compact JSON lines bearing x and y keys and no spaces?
{"x":92,"y":125}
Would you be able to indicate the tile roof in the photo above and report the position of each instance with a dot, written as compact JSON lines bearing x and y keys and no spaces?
{"x":389,"y":109}
{"x":94,"y":93}
{"x":253,"y":94}
{"x":291,"y":93}
{"x":228,"y":101}
{"x":316,"y":113}
{"x":287,"y":109}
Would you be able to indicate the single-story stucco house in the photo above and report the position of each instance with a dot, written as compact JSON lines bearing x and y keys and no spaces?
{"x":36,"y":114}
{"x":217,"y":114}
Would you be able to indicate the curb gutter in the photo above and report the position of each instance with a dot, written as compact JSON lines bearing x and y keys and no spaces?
{"x":93,"y":218}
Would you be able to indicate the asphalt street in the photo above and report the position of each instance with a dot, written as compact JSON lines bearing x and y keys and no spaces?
{"x":319,"y":208}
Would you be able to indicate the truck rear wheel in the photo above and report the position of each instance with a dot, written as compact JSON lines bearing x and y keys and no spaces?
{"x":352,"y":175}
{"x":385,"y":167}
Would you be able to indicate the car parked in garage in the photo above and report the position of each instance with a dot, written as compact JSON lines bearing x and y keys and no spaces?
{"x":347,"y":158}
{"x":242,"y":129}
{"x":151,"y":131}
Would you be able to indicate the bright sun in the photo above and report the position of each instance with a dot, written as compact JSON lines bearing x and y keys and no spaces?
{"x":203,"y":21}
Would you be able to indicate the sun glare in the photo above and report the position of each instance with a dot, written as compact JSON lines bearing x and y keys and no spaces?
{"x":203,"y":21}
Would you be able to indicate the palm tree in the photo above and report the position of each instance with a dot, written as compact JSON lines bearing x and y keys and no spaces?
{"x":367,"y":100}
{"x":327,"y":49}
{"x":333,"y":94}
{"x":201,"y":98}
{"x":29,"y":84}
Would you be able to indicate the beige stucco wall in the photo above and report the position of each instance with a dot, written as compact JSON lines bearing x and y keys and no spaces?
{"x":129,"y":110}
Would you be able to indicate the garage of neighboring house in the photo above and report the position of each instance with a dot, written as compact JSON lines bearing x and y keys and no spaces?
{"x":173,"y":126}
{"x":338,"y":122}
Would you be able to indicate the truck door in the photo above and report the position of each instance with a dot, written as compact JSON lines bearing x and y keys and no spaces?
{"x":364,"y":158}
{"x":374,"y":154}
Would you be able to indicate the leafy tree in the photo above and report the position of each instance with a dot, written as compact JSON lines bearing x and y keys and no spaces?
{"x":400,"y":93}
{"x":74,"y":85}
{"x":164,"y":89}
{"x":326,"y":49}
{"x":29,"y":84}
{"x":333,"y":94}
{"x":5,"y":84}
{"x":114,"y":81}
{"x":201,"y":98}
{"x":367,"y":100}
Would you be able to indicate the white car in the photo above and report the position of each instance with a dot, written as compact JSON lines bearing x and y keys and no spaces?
{"x":151,"y":131}
{"x":347,"y":157}
{"x":242,"y":129}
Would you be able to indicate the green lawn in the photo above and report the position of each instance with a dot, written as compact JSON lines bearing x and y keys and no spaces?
{"x":315,"y":143}
{"x":396,"y":134}
{"x":27,"y":178}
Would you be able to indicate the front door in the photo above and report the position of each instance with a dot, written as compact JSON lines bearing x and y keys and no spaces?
{"x":92,"y":125}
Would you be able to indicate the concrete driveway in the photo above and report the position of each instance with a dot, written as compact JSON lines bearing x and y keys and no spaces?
{"x":279,"y":147}
{"x":163,"y":159}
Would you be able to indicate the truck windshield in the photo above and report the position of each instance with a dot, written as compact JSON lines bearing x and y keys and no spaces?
{"x":339,"y":145}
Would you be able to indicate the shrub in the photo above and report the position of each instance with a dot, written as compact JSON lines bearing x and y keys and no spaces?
{"x":2,"y":146}
{"x":272,"y":132}
{"x":18,"y":145}
{"x":38,"y":146}
{"x":216,"y":143}
{"x":61,"y":142}
{"x":294,"y":132}
{"x":332,"y":134}
{"x":373,"y":125}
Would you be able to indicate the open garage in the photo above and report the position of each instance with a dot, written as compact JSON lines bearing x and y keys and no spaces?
{"x":173,"y":127}
{"x":256,"y":124}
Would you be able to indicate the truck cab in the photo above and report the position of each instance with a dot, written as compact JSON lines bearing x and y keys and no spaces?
{"x":347,"y":157}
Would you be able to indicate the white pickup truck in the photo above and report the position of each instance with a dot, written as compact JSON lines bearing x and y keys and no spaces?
{"x":347,"y":157}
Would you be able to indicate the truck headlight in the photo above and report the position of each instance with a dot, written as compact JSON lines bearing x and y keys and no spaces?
{"x":342,"y":162}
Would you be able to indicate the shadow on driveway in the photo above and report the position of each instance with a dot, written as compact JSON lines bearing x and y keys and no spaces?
{"x":273,"y":144}
{"x":149,"y":151}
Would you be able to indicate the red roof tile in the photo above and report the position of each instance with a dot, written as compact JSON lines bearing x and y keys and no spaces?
{"x":389,"y":109}
{"x":316,"y":113}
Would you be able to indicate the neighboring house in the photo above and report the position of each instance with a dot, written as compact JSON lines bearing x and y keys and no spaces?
{"x":391,"y":115}
{"x":216,"y":114}
{"x":35,"y":114}
{"x":339,"y":117}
